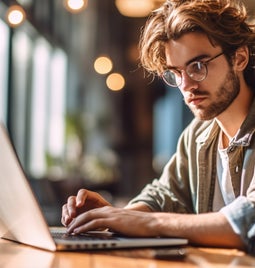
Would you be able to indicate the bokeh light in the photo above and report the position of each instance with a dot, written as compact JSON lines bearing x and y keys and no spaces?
{"x":103,"y":65}
{"x":115,"y":81}
{"x":15,"y":15}
{"x":75,"y":6}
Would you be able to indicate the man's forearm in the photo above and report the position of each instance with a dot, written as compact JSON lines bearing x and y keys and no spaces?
{"x":210,"y":229}
{"x":140,"y":206}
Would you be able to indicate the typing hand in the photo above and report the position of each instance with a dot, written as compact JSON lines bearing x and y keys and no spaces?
{"x":84,"y":201}
{"x":124,"y":221}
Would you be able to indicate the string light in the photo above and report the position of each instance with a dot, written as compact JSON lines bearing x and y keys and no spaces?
{"x":15,"y":15}
{"x":134,"y":8}
{"x":75,"y":6}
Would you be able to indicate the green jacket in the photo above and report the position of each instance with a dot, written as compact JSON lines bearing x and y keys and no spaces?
{"x":187,"y":183}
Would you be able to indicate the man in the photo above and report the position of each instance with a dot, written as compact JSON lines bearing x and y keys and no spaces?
{"x":207,"y":190}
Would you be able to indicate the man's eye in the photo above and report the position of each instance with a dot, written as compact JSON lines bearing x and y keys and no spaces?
{"x":176,"y":72}
{"x":196,"y":67}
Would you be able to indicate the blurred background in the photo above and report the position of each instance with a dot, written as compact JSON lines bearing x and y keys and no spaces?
{"x":80,"y":110}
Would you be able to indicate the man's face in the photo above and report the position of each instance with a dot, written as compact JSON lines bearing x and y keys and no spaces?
{"x":212,"y":96}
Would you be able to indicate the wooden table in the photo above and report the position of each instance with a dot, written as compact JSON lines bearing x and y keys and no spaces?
{"x":13,"y":255}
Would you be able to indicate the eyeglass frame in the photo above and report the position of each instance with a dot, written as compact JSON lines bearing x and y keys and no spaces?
{"x":204,"y":63}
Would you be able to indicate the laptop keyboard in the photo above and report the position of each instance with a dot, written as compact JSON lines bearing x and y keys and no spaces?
{"x":86,"y":236}
{"x":90,"y":240}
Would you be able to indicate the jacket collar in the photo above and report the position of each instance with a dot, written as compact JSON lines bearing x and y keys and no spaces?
{"x":247,"y":129}
{"x":243,"y":136}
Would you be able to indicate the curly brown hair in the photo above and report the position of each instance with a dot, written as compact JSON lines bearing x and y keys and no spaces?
{"x":225,"y":22}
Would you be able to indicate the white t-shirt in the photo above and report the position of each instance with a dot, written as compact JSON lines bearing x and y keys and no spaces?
{"x":224,"y":193}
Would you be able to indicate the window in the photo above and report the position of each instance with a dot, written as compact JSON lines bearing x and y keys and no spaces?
{"x":4,"y":48}
{"x":20,"y":96}
{"x":39,"y":106}
{"x":56,"y":137}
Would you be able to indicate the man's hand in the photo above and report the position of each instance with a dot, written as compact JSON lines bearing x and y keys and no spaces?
{"x":120,"y":220}
{"x":84,"y":201}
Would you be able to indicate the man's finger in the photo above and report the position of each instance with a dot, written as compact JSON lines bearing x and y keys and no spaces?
{"x":71,"y":206}
{"x":65,"y":220}
{"x":81,"y":197}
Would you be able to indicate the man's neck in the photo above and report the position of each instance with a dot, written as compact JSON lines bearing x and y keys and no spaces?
{"x":231,"y":120}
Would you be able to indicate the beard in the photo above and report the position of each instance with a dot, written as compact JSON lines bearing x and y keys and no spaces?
{"x":224,"y":96}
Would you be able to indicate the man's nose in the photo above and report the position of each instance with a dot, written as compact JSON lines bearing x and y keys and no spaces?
{"x":188,"y":84}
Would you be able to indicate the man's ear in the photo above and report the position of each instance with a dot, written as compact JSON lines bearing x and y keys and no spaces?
{"x":241,"y":58}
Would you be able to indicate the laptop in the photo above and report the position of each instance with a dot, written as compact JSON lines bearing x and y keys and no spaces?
{"x":22,"y":220}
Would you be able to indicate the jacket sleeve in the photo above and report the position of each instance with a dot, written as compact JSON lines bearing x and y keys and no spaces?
{"x":241,"y":216}
{"x":241,"y":212}
{"x":171,"y":192}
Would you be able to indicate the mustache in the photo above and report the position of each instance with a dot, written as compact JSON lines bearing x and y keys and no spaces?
{"x":196,"y":93}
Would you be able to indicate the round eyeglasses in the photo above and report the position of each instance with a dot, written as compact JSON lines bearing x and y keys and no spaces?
{"x":196,"y":70}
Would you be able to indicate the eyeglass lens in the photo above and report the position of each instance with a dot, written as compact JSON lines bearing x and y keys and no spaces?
{"x":196,"y":71}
